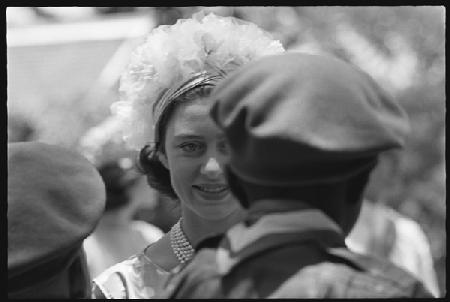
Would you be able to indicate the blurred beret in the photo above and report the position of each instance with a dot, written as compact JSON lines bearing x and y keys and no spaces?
{"x":298,"y":119}
{"x":55,"y":200}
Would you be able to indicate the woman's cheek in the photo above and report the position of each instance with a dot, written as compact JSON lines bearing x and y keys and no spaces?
{"x":183,"y":173}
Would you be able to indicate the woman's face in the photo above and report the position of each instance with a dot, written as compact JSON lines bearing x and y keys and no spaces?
{"x":195,"y":150}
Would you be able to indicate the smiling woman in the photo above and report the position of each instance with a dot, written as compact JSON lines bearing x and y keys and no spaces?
{"x":165,"y":110}
{"x":195,"y":149}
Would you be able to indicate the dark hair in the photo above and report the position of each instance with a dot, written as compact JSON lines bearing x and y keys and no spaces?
{"x":158,"y":176}
{"x":117,"y":181}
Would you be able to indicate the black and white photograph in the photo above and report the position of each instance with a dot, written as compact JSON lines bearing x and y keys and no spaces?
{"x":226,"y":152}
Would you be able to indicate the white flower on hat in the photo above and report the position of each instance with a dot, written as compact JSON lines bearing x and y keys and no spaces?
{"x":171,"y":54}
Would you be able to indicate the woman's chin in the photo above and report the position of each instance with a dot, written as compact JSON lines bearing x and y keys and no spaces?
{"x":222,"y":215}
{"x":216,"y":208}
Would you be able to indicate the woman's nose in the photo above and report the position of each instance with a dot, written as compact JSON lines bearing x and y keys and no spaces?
{"x":211,"y":168}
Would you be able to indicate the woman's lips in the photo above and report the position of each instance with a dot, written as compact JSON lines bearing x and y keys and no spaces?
{"x":210,"y":188}
{"x":212,"y":191}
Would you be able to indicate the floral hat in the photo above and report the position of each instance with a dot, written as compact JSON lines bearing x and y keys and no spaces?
{"x":173,"y":54}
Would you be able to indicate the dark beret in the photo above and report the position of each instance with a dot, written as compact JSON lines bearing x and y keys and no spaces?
{"x":55,"y":199}
{"x":295,"y":119}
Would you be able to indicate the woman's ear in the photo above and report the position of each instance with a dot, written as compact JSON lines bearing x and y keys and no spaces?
{"x":163,"y":159}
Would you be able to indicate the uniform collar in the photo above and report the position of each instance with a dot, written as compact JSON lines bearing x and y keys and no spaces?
{"x":265,"y":228}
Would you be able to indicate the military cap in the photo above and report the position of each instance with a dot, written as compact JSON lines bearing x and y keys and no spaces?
{"x":55,"y":200}
{"x":297,"y":119}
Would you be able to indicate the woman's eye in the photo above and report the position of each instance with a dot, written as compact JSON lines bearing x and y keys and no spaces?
{"x":190,"y":147}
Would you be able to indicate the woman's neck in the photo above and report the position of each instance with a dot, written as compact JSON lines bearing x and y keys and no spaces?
{"x":197,"y":228}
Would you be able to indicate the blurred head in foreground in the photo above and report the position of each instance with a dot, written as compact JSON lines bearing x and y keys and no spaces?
{"x":55,"y":200}
{"x":305,"y":127}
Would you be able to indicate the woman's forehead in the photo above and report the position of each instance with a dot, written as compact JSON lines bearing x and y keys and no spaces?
{"x":192,"y":118}
{"x":191,"y":110}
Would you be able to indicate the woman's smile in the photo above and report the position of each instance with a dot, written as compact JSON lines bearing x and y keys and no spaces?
{"x":212,"y":191}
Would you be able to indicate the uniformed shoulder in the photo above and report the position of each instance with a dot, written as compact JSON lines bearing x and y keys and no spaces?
{"x":385,"y":283}
{"x":322,"y":280}
{"x":382,"y":271}
{"x":339,"y":280}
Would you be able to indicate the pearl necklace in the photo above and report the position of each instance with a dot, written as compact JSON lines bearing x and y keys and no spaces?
{"x":180,"y":244}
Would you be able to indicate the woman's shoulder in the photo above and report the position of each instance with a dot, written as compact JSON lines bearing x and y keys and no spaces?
{"x":134,"y":278}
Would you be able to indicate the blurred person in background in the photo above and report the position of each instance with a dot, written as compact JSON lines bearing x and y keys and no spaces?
{"x":304,"y":135}
{"x":118,"y":235}
{"x":20,"y":128}
{"x":164,"y":110}
{"x":55,"y":200}
{"x":383,"y":232}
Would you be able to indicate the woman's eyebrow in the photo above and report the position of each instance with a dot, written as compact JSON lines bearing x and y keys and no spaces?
{"x":187,"y":136}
